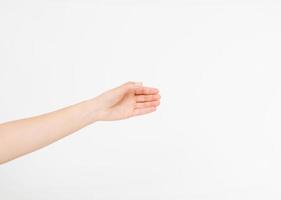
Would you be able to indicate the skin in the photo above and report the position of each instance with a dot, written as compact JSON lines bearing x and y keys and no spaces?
{"x":24,"y":136}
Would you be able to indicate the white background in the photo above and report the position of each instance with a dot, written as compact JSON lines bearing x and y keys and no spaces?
{"x":217,"y":134}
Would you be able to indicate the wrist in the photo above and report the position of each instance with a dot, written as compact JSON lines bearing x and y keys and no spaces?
{"x":92,"y":111}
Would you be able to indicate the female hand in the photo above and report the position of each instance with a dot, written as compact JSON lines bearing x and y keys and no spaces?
{"x":128,"y":100}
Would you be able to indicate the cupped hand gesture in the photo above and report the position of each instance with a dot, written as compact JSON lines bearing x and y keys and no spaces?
{"x":128,"y":100}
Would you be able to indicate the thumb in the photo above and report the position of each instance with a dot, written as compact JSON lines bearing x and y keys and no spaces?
{"x":135,"y":86}
{"x":132,"y":85}
{"x":138,"y":83}
{"x":128,"y":87}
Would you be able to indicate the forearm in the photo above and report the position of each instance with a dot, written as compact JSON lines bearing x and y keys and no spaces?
{"x":24,"y":136}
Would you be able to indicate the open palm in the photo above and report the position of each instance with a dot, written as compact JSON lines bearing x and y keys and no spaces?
{"x":128,"y":100}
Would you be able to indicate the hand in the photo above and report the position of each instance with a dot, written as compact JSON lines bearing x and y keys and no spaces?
{"x":128,"y":100}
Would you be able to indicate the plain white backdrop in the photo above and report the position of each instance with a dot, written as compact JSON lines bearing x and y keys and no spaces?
{"x":217,"y":134}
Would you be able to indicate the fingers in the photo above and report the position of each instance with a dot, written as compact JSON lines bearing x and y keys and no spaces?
{"x":144,"y":98}
{"x":141,"y":90}
{"x":147,"y":104}
{"x":147,"y":98}
{"x":142,"y":111}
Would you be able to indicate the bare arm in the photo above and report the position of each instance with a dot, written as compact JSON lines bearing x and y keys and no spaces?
{"x":26,"y":135}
